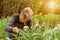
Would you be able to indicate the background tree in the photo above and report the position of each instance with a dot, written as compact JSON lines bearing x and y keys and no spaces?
{"x":9,"y":7}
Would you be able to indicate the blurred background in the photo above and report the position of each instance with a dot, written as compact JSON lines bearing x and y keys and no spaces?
{"x":47,"y":13}
{"x":9,"y":7}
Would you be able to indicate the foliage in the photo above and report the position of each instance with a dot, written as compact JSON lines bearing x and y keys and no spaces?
{"x":49,"y":28}
{"x":16,"y":6}
{"x":49,"y":20}
{"x":3,"y":22}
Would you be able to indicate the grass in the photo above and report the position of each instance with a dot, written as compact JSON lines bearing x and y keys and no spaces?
{"x":49,"y":28}
{"x":3,"y":22}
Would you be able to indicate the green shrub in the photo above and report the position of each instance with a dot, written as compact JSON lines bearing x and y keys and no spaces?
{"x":49,"y":28}
{"x":3,"y":22}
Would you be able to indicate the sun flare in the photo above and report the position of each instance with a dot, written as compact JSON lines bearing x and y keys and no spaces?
{"x":51,"y":4}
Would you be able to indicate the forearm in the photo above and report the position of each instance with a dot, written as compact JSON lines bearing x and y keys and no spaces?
{"x":9,"y":29}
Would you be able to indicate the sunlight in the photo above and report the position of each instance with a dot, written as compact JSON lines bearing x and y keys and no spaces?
{"x":51,"y":5}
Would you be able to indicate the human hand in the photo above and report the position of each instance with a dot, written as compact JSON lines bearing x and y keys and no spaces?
{"x":15,"y":30}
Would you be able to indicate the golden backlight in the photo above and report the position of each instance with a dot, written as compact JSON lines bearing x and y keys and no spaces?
{"x":50,"y":6}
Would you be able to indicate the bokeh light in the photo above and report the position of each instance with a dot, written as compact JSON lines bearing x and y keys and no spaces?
{"x":50,"y":6}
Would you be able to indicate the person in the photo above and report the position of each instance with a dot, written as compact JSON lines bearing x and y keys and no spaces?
{"x":18,"y":21}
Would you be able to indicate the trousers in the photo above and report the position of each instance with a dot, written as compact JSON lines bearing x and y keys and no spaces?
{"x":9,"y":36}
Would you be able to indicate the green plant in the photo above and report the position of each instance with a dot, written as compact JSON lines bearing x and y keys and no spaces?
{"x":49,"y":28}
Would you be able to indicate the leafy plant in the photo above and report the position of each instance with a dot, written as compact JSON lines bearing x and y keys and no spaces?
{"x":49,"y":28}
